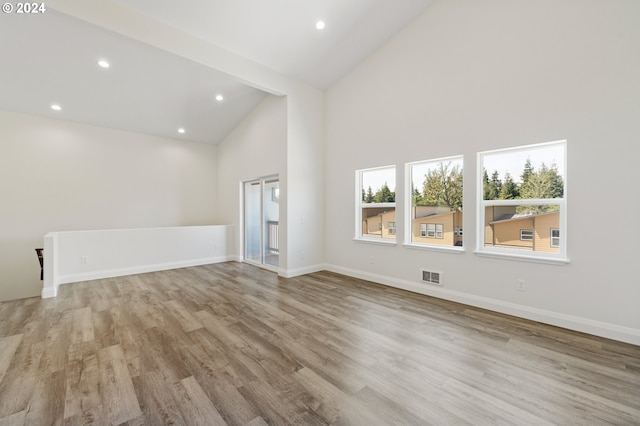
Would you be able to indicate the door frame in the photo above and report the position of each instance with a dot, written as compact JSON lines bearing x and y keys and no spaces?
{"x":243,"y":231}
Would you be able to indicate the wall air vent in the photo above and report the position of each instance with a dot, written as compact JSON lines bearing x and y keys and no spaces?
{"x":431,"y":277}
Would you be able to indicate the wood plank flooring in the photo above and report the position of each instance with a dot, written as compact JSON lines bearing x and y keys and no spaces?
{"x":234,"y":344}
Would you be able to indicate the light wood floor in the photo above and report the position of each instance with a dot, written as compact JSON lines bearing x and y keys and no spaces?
{"x":231,"y":343}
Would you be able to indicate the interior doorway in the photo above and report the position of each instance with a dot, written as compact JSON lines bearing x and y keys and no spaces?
{"x":261,"y":221}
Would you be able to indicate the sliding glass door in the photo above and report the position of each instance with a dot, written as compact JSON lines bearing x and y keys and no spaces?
{"x":261,"y":221}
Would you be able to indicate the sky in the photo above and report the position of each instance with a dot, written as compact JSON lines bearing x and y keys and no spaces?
{"x":377,"y":177}
{"x":513,"y":162}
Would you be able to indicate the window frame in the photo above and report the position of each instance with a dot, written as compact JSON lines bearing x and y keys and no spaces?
{"x":360,"y":205}
{"x":552,"y":238}
{"x":506,"y":253}
{"x":530,"y":237}
{"x":408,"y":207}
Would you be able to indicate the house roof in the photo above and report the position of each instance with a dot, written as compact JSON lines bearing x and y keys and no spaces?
{"x":429,"y":216}
{"x":516,"y":216}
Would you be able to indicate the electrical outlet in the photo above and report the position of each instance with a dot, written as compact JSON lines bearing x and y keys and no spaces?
{"x":521,"y":286}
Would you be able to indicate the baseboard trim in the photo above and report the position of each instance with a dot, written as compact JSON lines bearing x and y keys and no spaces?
{"x":584,"y":325}
{"x":290,"y":273}
{"x":49,"y":292}
{"x":139,"y":269}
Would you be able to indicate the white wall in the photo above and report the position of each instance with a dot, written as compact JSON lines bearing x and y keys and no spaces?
{"x":283,"y":136}
{"x":304,"y":187}
{"x":304,"y":122}
{"x":88,"y":255}
{"x":469,"y":76}
{"x":62,"y":176}
{"x":255,"y":148}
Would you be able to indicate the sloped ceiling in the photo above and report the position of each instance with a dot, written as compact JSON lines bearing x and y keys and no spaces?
{"x":51,"y":58}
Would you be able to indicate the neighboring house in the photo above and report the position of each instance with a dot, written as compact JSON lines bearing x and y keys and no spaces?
{"x":431,"y":225}
{"x":380,"y":223}
{"x":535,"y":232}
{"x":436,"y":225}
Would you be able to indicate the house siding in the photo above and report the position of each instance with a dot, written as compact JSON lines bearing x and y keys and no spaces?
{"x":449,"y":221}
{"x":542,"y":235}
{"x":377,"y":224}
{"x":507,"y":233}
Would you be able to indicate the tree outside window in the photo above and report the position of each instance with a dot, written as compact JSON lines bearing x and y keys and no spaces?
{"x":522,"y":210}
{"x":435,"y":209}
{"x":376,"y":203}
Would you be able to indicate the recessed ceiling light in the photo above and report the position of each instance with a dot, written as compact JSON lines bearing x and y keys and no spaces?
{"x":181,"y":130}
{"x":219,"y":98}
{"x":103,"y":64}
{"x":56,"y":107}
{"x":320,"y":25}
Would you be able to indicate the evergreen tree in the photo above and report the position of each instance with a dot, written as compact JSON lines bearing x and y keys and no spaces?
{"x":485,"y":186}
{"x":369,"y":196}
{"x":556,"y":183}
{"x":416,"y":197}
{"x":496,"y":183}
{"x":384,"y":195}
{"x":443,"y":187}
{"x":509,"y":189}
{"x":537,"y":184}
{"x":545,"y":183}
{"x":527,"y":171}
{"x":492,"y":187}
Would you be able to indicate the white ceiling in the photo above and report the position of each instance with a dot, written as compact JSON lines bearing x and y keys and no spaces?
{"x":52,"y":58}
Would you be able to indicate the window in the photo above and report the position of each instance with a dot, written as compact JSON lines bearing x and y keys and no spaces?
{"x":526,"y":234}
{"x":434,"y":210}
{"x":555,"y":237}
{"x":376,"y":204}
{"x":435,"y":230}
{"x":522,"y":202}
{"x":432,"y":230}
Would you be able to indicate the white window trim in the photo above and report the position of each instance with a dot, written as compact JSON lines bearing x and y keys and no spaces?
{"x":408,"y":209}
{"x":433,"y":247}
{"x":497,"y":252}
{"x":359,"y":205}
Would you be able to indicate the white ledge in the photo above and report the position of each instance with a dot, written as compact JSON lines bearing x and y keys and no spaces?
{"x":524,"y":258}
{"x":379,"y":241}
{"x":441,"y":249}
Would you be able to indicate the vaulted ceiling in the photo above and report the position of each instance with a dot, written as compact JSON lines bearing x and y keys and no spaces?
{"x":51,"y":58}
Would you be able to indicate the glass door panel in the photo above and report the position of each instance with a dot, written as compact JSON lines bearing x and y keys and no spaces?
{"x":261,"y":221}
{"x":271,"y":225}
{"x":252,"y":221}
